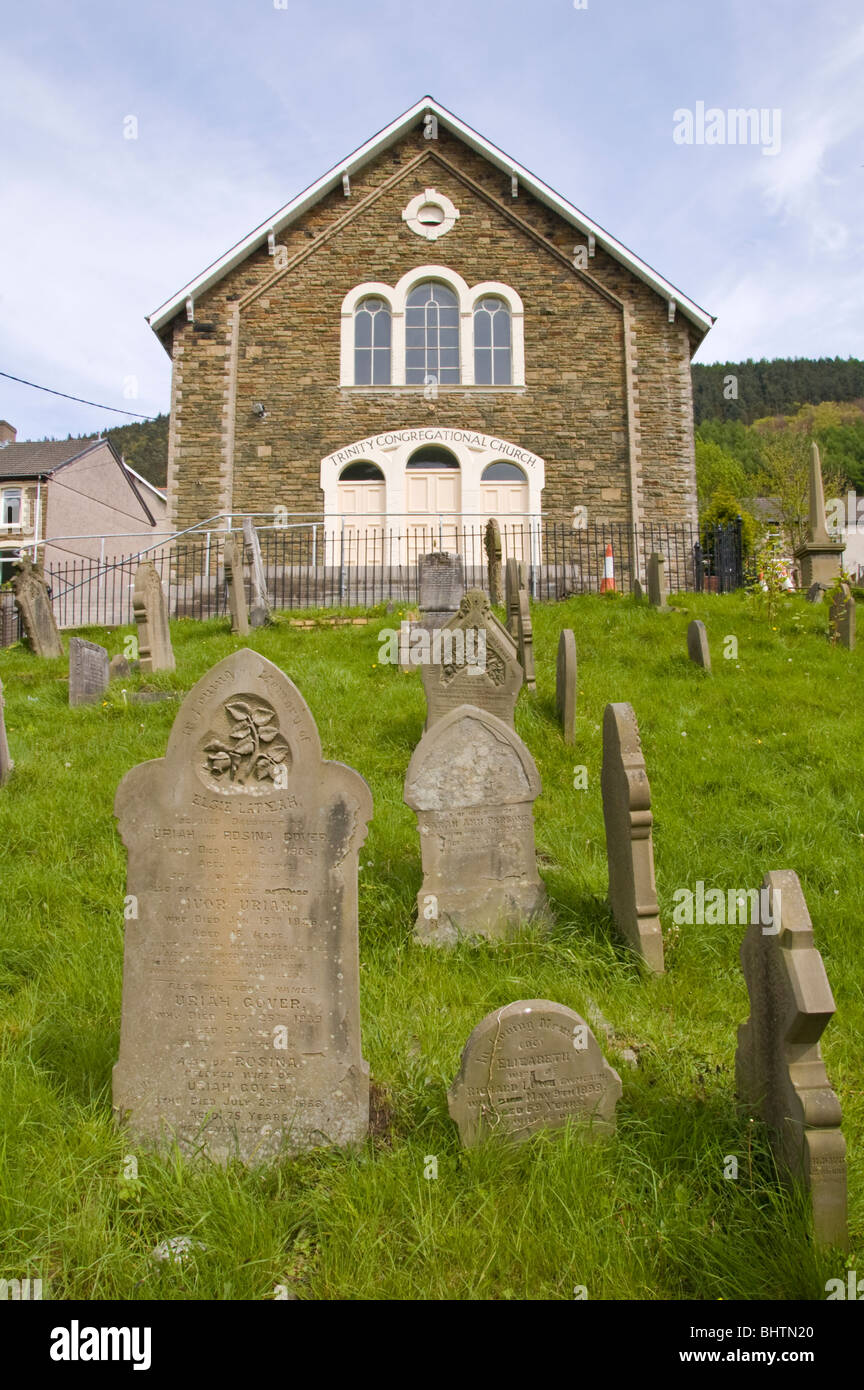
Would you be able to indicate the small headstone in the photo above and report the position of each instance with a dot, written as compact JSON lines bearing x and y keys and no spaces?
{"x":479,"y":664}
{"x":441,"y":579}
{"x":88,"y":672}
{"x":119,"y":668}
{"x":232,"y":563}
{"x":815,"y":593}
{"x":629,"y":844}
{"x":842,"y":617}
{"x":6,"y":763}
{"x":638,"y":591}
{"x":473,"y":783}
{"x":565,"y":685}
{"x":656,"y":577}
{"x":697,"y":644}
{"x":780,"y":1074}
{"x":530,"y":1066}
{"x":240,"y":1028}
{"x":526,"y":641}
{"x":151,"y":615}
{"x":259,"y":605}
{"x":516,"y":578}
{"x":34,"y":605}
{"x":493,"y":560}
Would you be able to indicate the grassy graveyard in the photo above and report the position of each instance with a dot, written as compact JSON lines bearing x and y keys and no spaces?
{"x":759,"y":766}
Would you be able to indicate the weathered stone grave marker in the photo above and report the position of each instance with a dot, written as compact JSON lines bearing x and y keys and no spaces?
{"x":842,"y":617}
{"x":34,"y":605}
{"x":526,"y":641}
{"x":658,"y":591}
{"x":566,"y":683}
{"x":442,"y":585}
{"x":88,"y":672}
{"x":479,"y":664}
{"x":638,"y":591}
{"x":516,"y":578}
{"x":151,"y":615}
{"x":820,"y":556}
{"x":119,"y":667}
{"x":232,"y":561}
{"x":259,"y":606}
{"x":532,"y":1065}
{"x":629,"y":844}
{"x":6,"y":763}
{"x":493,"y":559}
{"x":780,"y":1074}
{"x":473,"y":783}
{"x":697,"y":644}
{"x":240,"y":1026}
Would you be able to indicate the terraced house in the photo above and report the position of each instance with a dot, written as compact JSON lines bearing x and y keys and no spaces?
{"x":430,"y":334}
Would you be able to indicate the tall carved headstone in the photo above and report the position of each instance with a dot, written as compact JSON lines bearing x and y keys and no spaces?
{"x":34,"y":605}
{"x":516,"y":579}
{"x":151,"y":615}
{"x":473,"y":783}
{"x":88,"y":672}
{"x":442,"y":585}
{"x":780,"y":1074}
{"x":240,"y":1027}
{"x":842,"y":617}
{"x":232,"y":561}
{"x":6,"y":763}
{"x":629,"y":843}
{"x":819,"y":556}
{"x":259,"y":606}
{"x":532,"y":1065}
{"x":697,"y":644}
{"x":479,"y":665}
{"x":526,"y":641}
{"x":493,"y":560}
{"x":656,"y":578}
{"x":566,"y":684}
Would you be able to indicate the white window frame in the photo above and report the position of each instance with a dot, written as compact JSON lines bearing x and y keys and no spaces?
{"x":12,"y":525}
{"x":468,"y":296}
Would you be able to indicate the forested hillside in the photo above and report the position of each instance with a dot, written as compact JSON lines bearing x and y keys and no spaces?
{"x":749,"y":391}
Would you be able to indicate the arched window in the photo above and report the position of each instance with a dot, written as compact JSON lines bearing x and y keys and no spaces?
{"x":502,"y":473}
{"x":361,"y":473}
{"x":492,"y":358}
{"x":431,"y":335}
{"x":372,"y":343}
{"x":432,"y":456}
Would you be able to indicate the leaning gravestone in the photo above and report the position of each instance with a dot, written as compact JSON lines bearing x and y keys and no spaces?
{"x":638,"y":591}
{"x":493,"y":560}
{"x":442,"y":585}
{"x":532,"y":1065}
{"x":151,"y":615}
{"x":232,"y":560}
{"x":479,"y":664}
{"x":629,"y":844}
{"x":88,"y":672}
{"x":526,"y":641}
{"x":565,"y":685}
{"x":473,"y":783}
{"x":119,"y":667}
{"x":842,"y":617}
{"x":240,"y":1029}
{"x":6,"y":763}
{"x":780,"y":1074}
{"x":656,"y":577}
{"x":34,"y":605}
{"x":259,"y":607}
{"x":697,"y":644}
{"x":516,"y":578}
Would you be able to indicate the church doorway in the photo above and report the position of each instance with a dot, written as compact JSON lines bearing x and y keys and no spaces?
{"x":433,"y":498}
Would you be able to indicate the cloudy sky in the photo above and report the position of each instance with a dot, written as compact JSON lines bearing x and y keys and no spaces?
{"x":240,"y":104}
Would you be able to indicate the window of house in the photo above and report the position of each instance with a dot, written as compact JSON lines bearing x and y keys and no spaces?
{"x":431,"y":335}
{"x":361,"y":473}
{"x":11,"y":509}
{"x":502,"y":473}
{"x":372,"y":343}
{"x":492,"y":358}
{"x":432,"y":456}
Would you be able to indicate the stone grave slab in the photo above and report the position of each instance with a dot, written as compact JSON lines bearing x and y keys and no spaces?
{"x":479,"y":664}
{"x":525,"y":643}
{"x":629,"y":843}
{"x":493,"y":560}
{"x":88,"y":672}
{"x":37,"y":614}
{"x":259,"y":606}
{"x":842,"y":617}
{"x":441,"y":578}
{"x":155,"y":652}
{"x":566,"y":684}
{"x":697,"y":644}
{"x":240,"y":1029}
{"x":232,"y":561}
{"x":658,"y":590}
{"x":516,"y":578}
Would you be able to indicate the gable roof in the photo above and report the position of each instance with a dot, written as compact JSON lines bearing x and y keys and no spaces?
{"x":43,"y":458}
{"x":162,"y":316}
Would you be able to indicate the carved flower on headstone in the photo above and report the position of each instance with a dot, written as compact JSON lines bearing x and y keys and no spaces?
{"x":254,"y":749}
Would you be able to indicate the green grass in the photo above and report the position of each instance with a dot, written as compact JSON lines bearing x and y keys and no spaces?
{"x":757,"y":767}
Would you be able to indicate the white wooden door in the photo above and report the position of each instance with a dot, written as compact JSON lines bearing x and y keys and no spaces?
{"x":507,"y":502}
{"x":433,"y":500}
{"x":362,"y":504}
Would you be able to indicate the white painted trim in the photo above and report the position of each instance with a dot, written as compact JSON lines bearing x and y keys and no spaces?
{"x":372,"y":149}
{"x":433,"y":230}
{"x":346,"y":331}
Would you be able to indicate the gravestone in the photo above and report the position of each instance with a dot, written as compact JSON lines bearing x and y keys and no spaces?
{"x":530,"y":1066}
{"x":842,"y":617}
{"x":516,"y":578}
{"x":119,"y":667}
{"x":259,"y":605}
{"x":34,"y":605}
{"x":240,"y":1028}
{"x":629,"y":844}
{"x":697,"y":644}
{"x":779,"y":1071}
{"x":491,"y":680}
{"x":88,"y":672}
{"x":816,"y":593}
{"x":151,"y":615}
{"x":526,"y":641}
{"x":232,"y":561}
{"x":656,"y":579}
{"x":442,"y":584}
{"x":638,"y":591}
{"x":493,"y":560}
{"x":472,"y":783}
{"x":6,"y":763}
{"x":565,"y":684}
{"x":819,"y":557}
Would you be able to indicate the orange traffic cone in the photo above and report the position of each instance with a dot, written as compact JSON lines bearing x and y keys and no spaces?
{"x":608,"y":584}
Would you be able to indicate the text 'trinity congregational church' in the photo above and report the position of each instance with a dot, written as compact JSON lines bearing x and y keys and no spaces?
{"x":429,"y":330}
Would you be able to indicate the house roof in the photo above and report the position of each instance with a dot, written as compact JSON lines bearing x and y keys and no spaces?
{"x":162,"y":316}
{"x":42,"y":458}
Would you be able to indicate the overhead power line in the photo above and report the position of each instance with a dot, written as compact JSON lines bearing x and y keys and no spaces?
{"x":79,"y":399}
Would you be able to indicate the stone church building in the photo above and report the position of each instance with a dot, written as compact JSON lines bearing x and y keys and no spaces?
{"x":427,"y":337}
